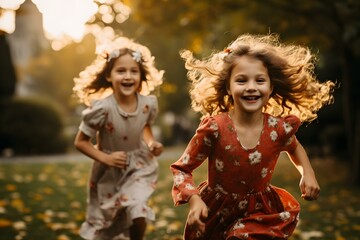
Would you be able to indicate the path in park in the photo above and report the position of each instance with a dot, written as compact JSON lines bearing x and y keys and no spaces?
{"x":169,"y":152}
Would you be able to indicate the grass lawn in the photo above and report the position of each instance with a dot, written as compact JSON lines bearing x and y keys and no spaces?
{"x":46,"y":200}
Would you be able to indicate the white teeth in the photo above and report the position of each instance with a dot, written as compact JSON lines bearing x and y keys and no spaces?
{"x":251,"y":97}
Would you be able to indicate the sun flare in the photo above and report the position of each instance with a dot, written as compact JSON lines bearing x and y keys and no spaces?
{"x":65,"y":21}
{"x":66,"y":18}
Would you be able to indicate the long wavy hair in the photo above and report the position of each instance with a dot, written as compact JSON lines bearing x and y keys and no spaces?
{"x":296,"y":89}
{"x":91,"y":84}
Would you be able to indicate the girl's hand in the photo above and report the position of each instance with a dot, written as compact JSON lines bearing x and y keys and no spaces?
{"x":156,"y":148}
{"x":309,"y":187}
{"x":116,"y":159}
{"x":198,"y":212}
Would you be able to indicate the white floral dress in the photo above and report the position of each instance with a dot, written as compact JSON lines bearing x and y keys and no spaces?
{"x":117,"y":196}
{"x":241,"y":201}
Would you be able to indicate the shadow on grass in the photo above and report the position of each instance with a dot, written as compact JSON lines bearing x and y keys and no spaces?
{"x":46,"y":200}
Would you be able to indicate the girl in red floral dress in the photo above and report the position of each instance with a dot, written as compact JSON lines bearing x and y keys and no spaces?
{"x":254,"y":96}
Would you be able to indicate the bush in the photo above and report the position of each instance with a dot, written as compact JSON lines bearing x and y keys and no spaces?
{"x":30,"y":126}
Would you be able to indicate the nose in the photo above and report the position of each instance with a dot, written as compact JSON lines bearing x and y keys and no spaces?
{"x":127,"y":75}
{"x":250,"y":86}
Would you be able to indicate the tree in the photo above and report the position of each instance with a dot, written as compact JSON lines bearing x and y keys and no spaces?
{"x":7,"y":69}
{"x":53,"y":72}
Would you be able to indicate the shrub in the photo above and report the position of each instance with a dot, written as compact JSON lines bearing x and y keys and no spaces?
{"x":30,"y":126}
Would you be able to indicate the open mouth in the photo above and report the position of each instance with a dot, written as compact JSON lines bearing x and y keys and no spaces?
{"x":127,"y":84}
{"x":251,"y":98}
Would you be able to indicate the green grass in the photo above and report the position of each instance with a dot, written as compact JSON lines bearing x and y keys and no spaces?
{"x":47,"y":201}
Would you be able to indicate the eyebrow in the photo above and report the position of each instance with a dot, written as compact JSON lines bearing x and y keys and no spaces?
{"x":257,"y":75}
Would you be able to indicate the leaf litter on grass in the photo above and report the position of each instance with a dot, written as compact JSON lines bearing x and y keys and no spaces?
{"x":47,"y":201}
{"x":36,"y":203}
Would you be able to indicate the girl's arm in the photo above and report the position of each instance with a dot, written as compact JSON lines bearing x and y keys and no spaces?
{"x":155,"y":147}
{"x":309,"y":186}
{"x":84,"y":145}
{"x":196,"y":152}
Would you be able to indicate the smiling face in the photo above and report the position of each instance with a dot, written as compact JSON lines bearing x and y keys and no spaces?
{"x":249,"y":84}
{"x":125,"y":77}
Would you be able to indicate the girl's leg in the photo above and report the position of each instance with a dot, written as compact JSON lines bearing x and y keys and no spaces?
{"x":137,"y":230}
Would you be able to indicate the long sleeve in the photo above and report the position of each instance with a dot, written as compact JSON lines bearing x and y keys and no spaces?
{"x":197,"y":151}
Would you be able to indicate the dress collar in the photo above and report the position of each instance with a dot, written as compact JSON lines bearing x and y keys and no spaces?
{"x":122,"y":112}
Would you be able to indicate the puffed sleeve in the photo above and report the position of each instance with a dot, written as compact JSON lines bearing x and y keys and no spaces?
{"x":93,"y":118}
{"x":153,"y":108}
{"x":288,"y":127}
{"x":194,"y":155}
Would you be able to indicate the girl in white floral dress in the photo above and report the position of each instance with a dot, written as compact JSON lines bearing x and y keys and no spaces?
{"x":254,"y":96}
{"x":118,"y":120}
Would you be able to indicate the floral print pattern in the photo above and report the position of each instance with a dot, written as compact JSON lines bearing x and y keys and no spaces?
{"x":116,"y":196}
{"x":238,"y":190}
{"x":254,"y":158}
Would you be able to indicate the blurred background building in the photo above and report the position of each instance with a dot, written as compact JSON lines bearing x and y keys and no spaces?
{"x":26,"y":42}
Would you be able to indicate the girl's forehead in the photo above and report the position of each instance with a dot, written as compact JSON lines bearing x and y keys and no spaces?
{"x":247,"y":66}
{"x":246,"y":60}
{"x":126,"y":59}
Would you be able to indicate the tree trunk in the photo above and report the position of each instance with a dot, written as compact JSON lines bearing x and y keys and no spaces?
{"x":7,"y":70}
{"x":356,"y":150}
{"x":351,"y":110}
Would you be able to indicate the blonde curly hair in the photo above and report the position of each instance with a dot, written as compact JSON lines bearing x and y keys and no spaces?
{"x":92,"y":84}
{"x":296,"y":89}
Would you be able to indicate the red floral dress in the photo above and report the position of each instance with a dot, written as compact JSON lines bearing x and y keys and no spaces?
{"x":241,"y":201}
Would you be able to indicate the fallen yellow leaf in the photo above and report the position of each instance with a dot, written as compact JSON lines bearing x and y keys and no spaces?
{"x":5,"y":223}
{"x":2,"y":210}
{"x":75,"y":204}
{"x":10,"y":187}
{"x":19,"y":225}
{"x":150,"y":228}
{"x":313,"y":207}
{"x":48,"y":190}
{"x":55,"y":226}
{"x":18,"y":204}
{"x":3,"y":203}
{"x":79,"y":216}
{"x":37,"y":197}
{"x":356,"y":227}
{"x":71,"y":225}
{"x":338,"y":236}
{"x":63,"y":237}
{"x":174,"y":226}
{"x":161,"y":223}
